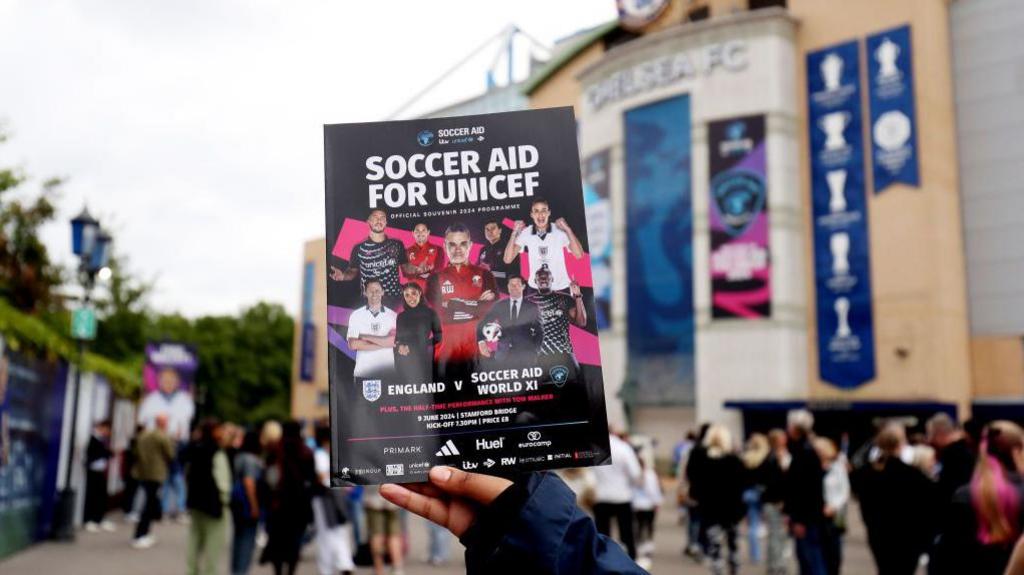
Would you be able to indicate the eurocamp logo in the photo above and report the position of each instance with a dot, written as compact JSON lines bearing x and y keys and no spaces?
{"x":425,"y":138}
{"x":447,"y":450}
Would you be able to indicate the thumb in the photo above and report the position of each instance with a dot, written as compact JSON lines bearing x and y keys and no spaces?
{"x":474,"y":486}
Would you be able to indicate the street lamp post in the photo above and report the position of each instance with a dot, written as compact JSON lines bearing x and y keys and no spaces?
{"x":92,"y":246}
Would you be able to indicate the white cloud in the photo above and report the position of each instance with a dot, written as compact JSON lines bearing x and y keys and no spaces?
{"x":196,"y":126}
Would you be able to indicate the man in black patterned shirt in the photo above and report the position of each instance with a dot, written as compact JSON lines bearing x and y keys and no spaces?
{"x":377,"y":257}
{"x":557,"y":310}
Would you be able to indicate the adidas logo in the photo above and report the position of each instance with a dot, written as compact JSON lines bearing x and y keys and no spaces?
{"x":447,"y":450}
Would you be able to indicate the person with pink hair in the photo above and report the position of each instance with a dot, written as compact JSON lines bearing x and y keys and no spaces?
{"x":986,"y":516}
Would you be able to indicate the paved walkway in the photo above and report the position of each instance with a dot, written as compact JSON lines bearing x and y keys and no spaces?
{"x":110,"y":554}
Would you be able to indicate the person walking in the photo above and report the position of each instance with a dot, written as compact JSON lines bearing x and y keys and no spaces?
{"x":385,"y":529}
{"x":289,"y":477}
{"x":985,"y":517}
{"x":720,"y":496}
{"x":897,"y":503}
{"x":154,"y":453}
{"x":837,"y":496}
{"x":208,"y":479}
{"x":613,"y":496}
{"x":97,"y":464}
{"x":647,"y":497}
{"x":245,"y":504}
{"x":755,"y":454}
{"x":955,"y":455}
{"x":693,"y":472}
{"x":804,"y":500}
{"x":333,"y":538}
{"x":770,"y":475}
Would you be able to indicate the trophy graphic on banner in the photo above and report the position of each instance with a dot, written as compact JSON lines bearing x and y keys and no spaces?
{"x":836,"y":190}
{"x":839,"y":244}
{"x":833,"y":124}
{"x":831,"y":71}
{"x":842,"y":307}
{"x":886,"y":55}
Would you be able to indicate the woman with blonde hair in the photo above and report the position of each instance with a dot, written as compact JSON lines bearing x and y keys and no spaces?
{"x":986,"y":516}
{"x":755,"y":454}
{"x":720,"y":496}
{"x":837,"y":495}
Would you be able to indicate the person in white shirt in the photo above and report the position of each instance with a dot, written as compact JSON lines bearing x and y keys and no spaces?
{"x":544,"y":244}
{"x":613,"y":496}
{"x":371,"y":333}
{"x":647,"y":497}
{"x":333,"y":552}
{"x":836,"y":490}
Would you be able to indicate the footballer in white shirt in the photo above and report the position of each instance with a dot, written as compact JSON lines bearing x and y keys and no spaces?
{"x":544,"y":244}
{"x":371,"y":334}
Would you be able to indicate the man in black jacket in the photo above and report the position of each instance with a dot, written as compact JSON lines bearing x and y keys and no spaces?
{"x":803,"y":494}
{"x":97,"y":462}
{"x":511,"y":333}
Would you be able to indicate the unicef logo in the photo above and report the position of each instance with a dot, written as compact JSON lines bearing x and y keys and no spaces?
{"x":425,"y":138}
{"x":559,"y":374}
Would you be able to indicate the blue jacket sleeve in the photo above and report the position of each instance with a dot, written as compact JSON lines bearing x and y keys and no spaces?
{"x":535,"y":527}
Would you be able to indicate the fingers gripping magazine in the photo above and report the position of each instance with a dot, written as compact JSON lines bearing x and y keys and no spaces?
{"x":461,"y":322}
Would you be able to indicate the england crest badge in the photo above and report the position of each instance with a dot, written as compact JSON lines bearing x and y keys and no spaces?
{"x":371,"y":389}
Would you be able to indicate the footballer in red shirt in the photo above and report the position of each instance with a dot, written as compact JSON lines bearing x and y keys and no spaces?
{"x":461,"y":293}
{"x":424,"y":258}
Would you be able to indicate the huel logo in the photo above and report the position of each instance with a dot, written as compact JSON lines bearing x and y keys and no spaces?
{"x":425,"y":138}
{"x":483,"y":444}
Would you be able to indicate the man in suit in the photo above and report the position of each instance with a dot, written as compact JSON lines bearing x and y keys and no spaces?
{"x":510,"y":333}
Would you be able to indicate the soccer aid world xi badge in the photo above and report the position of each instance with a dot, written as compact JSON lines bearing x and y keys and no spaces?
{"x":461,"y":324}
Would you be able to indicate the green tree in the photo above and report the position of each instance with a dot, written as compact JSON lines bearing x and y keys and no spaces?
{"x":28,"y":279}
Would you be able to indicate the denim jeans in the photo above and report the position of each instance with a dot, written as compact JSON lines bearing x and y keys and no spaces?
{"x":752,"y":497}
{"x":810,"y":551}
{"x":174,"y":491}
{"x":440,"y":542}
{"x":243,"y":544}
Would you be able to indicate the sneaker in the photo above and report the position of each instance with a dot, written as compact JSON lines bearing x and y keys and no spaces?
{"x":92,"y":527}
{"x":108,"y":526}
{"x":131,"y":518}
{"x":144,"y":542}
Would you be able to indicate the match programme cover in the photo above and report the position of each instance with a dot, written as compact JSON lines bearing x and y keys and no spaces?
{"x":461,"y":321}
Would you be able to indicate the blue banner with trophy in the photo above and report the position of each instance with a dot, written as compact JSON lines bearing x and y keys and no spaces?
{"x":841,"y":249}
{"x":891,"y":96}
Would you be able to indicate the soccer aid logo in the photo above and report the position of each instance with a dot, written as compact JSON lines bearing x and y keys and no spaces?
{"x":559,"y":375}
{"x":425,"y":138}
{"x":371,"y":389}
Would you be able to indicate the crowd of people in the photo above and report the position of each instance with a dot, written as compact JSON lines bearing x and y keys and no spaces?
{"x":948,"y":501}
{"x":251,"y":496}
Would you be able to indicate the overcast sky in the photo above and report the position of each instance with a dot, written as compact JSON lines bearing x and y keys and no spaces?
{"x":193,"y":128}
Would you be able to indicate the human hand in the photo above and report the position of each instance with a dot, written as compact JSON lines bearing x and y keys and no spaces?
{"x":799,"y":530}
{"x":561,"y":224}
{"x":484,"y":350}
{"x":337,"y":275}
{"x":518,"y":226}
{"x":487,"y":296}
{"x":574,"y":288}
{"x":450,"y":499}
{"x":403,"y":349}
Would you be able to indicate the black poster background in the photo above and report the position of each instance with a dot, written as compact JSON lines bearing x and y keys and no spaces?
{"x":376,"y":441}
